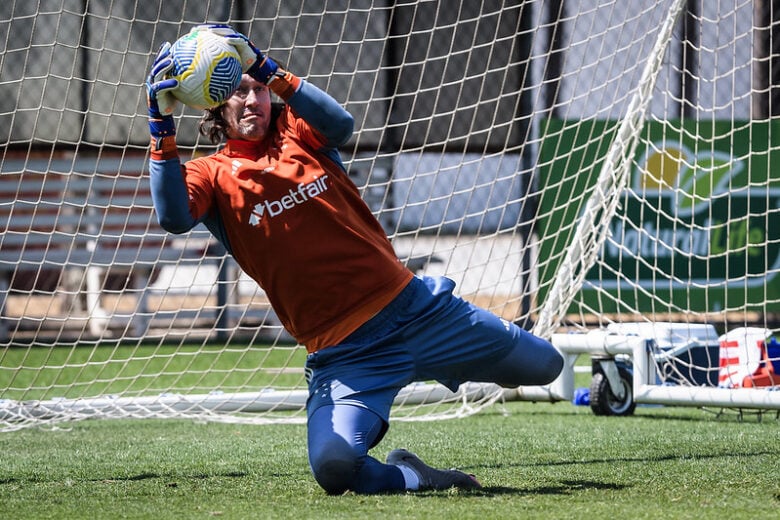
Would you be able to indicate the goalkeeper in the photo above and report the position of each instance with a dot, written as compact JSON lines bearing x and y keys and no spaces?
{"x":277,"y":196}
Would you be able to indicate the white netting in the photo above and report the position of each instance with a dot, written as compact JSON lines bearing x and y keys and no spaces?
{"x":481,"y":129}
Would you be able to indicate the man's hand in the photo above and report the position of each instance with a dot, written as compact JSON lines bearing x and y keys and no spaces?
{"x":253,"y":61}
{"x":159,"y":98}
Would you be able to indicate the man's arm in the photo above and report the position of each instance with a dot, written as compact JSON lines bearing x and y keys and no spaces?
{"x":169,"y":195}
{"x":168,"y":187}
{"x":323,"y":113}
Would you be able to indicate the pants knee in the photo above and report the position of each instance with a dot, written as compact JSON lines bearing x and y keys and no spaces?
{"x":552,"y":366}
{"x":536,"y":362}
{"x":335,"y":467}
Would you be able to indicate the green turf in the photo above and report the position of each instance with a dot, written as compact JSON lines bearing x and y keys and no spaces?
{"x":535,"y":461}
{"x":132,"y":370}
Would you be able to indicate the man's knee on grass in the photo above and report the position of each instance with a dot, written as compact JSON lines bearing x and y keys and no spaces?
{"x":335,"y":466}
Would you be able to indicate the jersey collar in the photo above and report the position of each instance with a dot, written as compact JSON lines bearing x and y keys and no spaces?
{"x":242,"y":148}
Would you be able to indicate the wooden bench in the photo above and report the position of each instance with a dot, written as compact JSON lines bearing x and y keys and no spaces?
{"x":91,"y":215}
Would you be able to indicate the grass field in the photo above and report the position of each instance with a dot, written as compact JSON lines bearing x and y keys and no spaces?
{"x":534,"y":460}
{"x":132,"y":370}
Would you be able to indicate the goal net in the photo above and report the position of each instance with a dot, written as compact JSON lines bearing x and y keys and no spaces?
{"x":572,"y":165}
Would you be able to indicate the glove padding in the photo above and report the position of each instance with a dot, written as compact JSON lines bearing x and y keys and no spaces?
{"x":253,"y":61}
{"x":159,"y":97}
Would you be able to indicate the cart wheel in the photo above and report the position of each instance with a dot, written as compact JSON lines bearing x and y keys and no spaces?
{"x":604,"y":402}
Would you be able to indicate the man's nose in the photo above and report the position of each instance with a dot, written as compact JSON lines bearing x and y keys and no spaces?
{"x":251,"y":98}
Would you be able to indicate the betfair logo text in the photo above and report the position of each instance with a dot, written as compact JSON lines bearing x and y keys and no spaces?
{"x":294,"y":197}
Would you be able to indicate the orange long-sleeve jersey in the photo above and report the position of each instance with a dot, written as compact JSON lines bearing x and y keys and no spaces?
{"x":295,"y":223}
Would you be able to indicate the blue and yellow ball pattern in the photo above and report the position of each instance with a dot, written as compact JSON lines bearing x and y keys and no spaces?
{"x":207,"y":67}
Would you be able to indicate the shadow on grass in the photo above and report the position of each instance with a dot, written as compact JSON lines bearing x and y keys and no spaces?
{"x":657,"y":458}
{"x":647,"y":413}
{"x":564,"y":487}
{"x":151,"y":476}
{"x":140,"y":477}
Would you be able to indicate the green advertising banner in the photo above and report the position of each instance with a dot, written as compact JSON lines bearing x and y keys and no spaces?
{"x":698,"y":227}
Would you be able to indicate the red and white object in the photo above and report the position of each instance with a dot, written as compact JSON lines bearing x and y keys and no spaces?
{"x":741,"y":353}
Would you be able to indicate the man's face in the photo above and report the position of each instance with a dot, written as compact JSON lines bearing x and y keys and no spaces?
{"x":247,"y":112}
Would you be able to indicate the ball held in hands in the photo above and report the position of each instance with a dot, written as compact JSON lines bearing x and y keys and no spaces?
{"x":207,"y":68}
{"x":253,"y":61}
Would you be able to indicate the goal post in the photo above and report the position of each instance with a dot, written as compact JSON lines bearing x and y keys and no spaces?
{"x":578,"y":167}
{"x":599,"y":209}
{"x":692,"y":241}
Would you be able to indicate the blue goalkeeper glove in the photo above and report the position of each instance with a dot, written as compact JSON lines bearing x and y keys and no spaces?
{"x":253,"y":61}
{"x":159,"y":97}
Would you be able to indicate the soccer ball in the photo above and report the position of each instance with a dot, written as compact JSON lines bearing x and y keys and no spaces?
{"x":207,"y":67}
